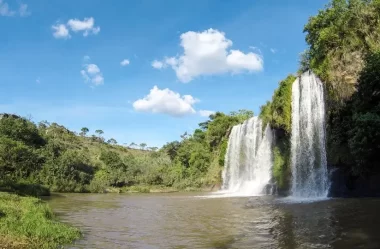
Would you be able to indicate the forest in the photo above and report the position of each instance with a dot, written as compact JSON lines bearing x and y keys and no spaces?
{"x":47,"y":157}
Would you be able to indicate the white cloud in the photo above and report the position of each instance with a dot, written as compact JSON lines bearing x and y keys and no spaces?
{"x":91,"y":73}
{"x":205,"y":113}
{"x":208,"y":53}
{"x":87,"y":26}
{"x":125,"y":62}
{"x":273,"y":50}
{"x":23,"y":10}
{"x":86,"y":58}
{"x":158,"y":64}
{"x":60,"y":31}
{"x":166,"y":101}
{"x":38,"y":80}
{"x":5,"y":10}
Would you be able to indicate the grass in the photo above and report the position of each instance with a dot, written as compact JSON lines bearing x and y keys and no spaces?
{"x":28,"y":222}
{"x":24,"y":189}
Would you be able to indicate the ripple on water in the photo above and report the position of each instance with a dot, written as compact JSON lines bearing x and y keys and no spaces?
{"x":172,"y":221}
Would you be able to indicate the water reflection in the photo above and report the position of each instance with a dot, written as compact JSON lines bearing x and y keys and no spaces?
{"x":184,"y":221}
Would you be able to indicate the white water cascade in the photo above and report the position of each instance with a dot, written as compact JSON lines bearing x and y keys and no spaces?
{"x":248,"y":159}
{"x":308,"y":150}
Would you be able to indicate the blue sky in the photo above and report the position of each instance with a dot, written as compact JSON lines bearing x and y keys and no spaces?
{"x":61,"y":61}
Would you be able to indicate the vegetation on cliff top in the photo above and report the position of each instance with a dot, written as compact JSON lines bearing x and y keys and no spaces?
{"x":339,"y":38}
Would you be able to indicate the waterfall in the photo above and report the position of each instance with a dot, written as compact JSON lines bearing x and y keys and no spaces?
{"x":308,"y":151}
{"x":248,"y":159}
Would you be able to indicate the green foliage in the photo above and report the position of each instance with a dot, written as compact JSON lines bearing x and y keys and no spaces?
{"x":355,"y":129}
{"x":339,"y":37}
{"x":198,"y":158}
{"x":219,"y":125}
{"x":112,"y":141}
{"x":17,"y":160}
{"x":69,"y":172}
{"x":28,"y":222}
{"x":24,"y":188}
{"x":278,"y":112}
{"x":171,"y":149}
{"x":100,"y":132}
{"x":65,"y":162}
{"x":84,"y":131}
{"x":223,"y":150}
{"x":281,"y":164}
{"x":21,"y":130}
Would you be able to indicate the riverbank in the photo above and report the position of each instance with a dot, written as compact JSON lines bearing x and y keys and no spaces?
{"x":28,"y":222}
{"x":159,"y":189}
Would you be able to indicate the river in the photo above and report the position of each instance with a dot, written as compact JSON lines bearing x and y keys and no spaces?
{"x":188,"y":220}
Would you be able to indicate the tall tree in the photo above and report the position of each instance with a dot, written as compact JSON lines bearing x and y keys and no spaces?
{"x":84,"y":131}
{"x":143,"y":145}
{"x":100,"y":132}
{"x":112,"y":141}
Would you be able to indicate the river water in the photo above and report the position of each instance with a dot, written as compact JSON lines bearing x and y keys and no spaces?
{"x":185,"y":220}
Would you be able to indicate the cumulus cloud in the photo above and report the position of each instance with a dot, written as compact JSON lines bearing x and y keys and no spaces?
{"x":91,"y":74}
{"x":87,"y":26}
{"x":205,"y":113}
{"x":158,"y":64}
{"x":209,"y":53}
{"x":5,"y":10}
{"x":124,"y":62}
{"x":60,"y":31}
{"x":166,"y":101}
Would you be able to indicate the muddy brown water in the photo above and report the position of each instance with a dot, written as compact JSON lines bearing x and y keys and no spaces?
{"x":188,"y":220}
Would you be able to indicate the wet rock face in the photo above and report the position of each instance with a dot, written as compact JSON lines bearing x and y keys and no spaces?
{"x":344,"y":184}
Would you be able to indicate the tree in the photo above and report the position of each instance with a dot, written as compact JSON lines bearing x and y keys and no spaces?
{"x":20,"y":129}
{"x":17,"y":160}
{"x":171,"y":149}
{"x":100,"y":132}
{"x":84,"y":131}
{"x":184,"y":135}
{"x":133,"y":144}
{"x":154,"y":148}
{"x":339,"y":38}
{"x":242,"y":115}
{"x":112,"y":141}
{"x":142,"y":146}
{"x":364,"y":136}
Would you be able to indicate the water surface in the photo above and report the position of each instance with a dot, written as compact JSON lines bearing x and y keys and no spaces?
{"x":179,"y":221}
